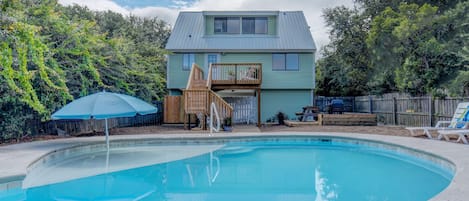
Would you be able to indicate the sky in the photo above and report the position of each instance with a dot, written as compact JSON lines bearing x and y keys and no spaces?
{"x":168,"y":9}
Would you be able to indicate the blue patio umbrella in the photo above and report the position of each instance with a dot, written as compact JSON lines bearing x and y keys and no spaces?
{"x":104,"y":105}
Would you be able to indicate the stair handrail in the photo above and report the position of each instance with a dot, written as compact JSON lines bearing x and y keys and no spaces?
{"x":224,"y":107}
{"x":196,"y":74}
{"x":213,"y":109}
{"x":209,"y":77}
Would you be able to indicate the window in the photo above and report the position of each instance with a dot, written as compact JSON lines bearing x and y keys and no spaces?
{"x":228,"y":25}
{"x":254,"y":25}
{"x":212,"y":58}
{"x":187,"y":60}
{"x":285,"y":62}
{"x":237,"y":25}
{"x":278,"y":61}
{"x":292,"y":62}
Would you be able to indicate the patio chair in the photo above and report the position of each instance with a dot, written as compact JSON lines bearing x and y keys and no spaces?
{"x":458,"y":122}
{"x":461,"y":133}
{"x":249,"y":74}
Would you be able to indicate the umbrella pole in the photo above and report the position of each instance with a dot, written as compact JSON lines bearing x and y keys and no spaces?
{"x":107,"y":144}
{"x":107,"y":134}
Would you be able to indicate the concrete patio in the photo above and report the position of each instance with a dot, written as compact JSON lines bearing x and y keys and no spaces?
{"x":16,"y":158}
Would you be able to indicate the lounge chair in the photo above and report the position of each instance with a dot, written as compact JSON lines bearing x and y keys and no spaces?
{"x":456,"y":123}
{"x":461,"y":133}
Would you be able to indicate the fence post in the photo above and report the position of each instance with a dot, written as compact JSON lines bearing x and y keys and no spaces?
{"x":370,"y":100}
{"x":394,"y":110}
{"x":430,"y":109}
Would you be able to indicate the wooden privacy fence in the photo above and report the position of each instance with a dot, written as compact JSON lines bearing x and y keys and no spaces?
{"x":321,"y":102}
{"x":408,"y":111}
{"x":77,"y":127}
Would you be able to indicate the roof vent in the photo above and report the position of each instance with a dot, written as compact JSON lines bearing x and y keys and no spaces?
{"x":190,"y":36}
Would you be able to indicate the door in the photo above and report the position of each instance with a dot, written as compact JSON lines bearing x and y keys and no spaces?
{"x":211,"y":58}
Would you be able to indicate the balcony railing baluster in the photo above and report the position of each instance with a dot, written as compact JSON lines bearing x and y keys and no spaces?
{"x":236,"y":74}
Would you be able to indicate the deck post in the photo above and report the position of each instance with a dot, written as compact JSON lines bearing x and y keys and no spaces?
{"x":258,"y":107}
{"x":189,"y":121}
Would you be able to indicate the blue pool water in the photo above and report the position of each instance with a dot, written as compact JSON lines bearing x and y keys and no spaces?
{"x":279,"y":170}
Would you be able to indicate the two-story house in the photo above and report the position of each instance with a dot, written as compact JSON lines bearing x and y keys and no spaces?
{"x":260,"y":62}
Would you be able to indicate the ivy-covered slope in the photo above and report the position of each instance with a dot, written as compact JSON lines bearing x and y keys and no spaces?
{"x":50,"y":55}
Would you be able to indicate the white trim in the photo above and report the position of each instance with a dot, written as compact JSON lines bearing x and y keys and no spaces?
{"x":245,"y":50}
{"x":240,"y":13}
{"x":168,"y":67}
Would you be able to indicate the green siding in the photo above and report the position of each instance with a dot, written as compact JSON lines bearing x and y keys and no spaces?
{"x":286,"y":101}
{"x":302,"y":79}
{"x":175,"y":92}
{"x":209,"y":29}
{"x":272,"y":26}
{"x":177,"y":78}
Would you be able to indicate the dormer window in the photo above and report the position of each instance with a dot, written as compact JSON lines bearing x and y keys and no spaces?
{"x":254,"y":25}
{"x":240,"y":25}
{"x":226,"y":25}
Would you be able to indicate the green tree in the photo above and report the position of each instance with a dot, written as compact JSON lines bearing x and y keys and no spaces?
{"x":343,"y":70}
{"x":427,"y":61}
{"x":415,"y":46}
{"x":50,"y":54}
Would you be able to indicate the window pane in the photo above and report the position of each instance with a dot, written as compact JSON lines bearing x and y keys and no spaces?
{"x":233,"y":25}
{"x":187,"y":60}
{"x":220,"y":25}
{"x":212,"y":58}
{"x":261,"y":25}
{"x":248,"y":25}
{"x":191,"y":60}
{"x":278,"y":61}
{"x":292,"y":62}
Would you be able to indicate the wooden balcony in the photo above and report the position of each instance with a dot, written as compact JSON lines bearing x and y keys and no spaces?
{"x":241,"y":75}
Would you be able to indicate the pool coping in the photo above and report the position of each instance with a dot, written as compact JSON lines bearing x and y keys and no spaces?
{"x":19,"y":157}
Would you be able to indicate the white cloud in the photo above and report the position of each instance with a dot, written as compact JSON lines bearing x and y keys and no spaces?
{"x":97,"y":5}
{"x":167,"y":14}
{"x":311,"y":8}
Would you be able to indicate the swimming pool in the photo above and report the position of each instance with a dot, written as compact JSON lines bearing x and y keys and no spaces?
{"x":254,"y":168}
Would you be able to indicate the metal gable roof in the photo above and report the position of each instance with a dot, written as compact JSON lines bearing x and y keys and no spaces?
{"x":293,"y":35}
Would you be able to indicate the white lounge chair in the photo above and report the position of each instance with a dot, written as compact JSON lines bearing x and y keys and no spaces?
{"x":457,"y":123}
{"x":460,"y":132}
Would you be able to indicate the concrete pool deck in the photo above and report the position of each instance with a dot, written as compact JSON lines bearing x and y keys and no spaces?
{"x":15,"y":159}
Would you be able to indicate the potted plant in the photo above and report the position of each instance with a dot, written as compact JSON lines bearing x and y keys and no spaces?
{"x":227,"y":124}
{"x":281,"y":117}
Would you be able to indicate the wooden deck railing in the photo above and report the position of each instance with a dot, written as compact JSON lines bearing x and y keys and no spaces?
{"x":195,"y":77}
{"x":199,"y":100}
{"x":235,"y":74}
{"x":224,"y":109}
{"x":196,"y":101}
{"x":198,"y":96}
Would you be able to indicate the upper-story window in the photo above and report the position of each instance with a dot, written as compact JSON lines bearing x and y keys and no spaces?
{"x":228,"y":25}
{"x":254,"y":25}
{"x":285,"y":62}
{"x":243,"y":25}
{"x":187,"y":60}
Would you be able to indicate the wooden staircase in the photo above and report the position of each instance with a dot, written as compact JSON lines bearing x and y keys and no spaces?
{"x":198,"y":96}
